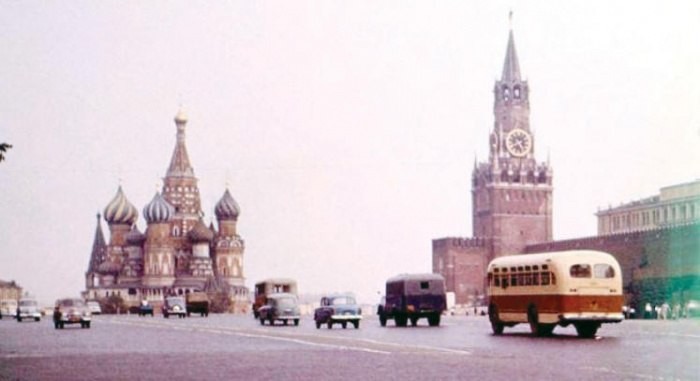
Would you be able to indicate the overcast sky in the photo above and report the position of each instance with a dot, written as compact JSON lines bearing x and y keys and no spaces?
{"x":346,"y":131}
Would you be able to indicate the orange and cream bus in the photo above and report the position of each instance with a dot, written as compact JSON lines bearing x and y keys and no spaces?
{"x":579,"y":287}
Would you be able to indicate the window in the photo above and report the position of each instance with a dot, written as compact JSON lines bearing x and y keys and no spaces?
{"x":424,"y":285}
{"x":580,"y":270}
{"x":603,"y":271}
{"x":545,"y":278}
{"x":513,"y":280}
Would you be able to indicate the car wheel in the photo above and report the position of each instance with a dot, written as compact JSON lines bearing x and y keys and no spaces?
{"x":19,"y":319}
{"x":318,"y":324}
{"x":285,"y":321}
{"x":414,"y":321}
{"x":330,"y":324}
{"x":344,"y":324}
{"x":37,"y":319}
{"x":61,"y":325}
{"x":272,"y":321}
{"x":296,"y":322}
{"x":56,"y":325}
{"x":165,"y":315}
{"x":356,"y":323}
{"x":434,"y":320}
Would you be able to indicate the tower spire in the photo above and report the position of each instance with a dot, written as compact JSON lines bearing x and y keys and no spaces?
{"x":511,"y":67}
{"x":98,"y":247}
{"x":180,"y":162}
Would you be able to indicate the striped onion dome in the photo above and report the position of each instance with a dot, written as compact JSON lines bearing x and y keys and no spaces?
{"x":135,"y":237}
{"x":120,"y":210}
{"x":227,"y":208}
{"x":158,"y":210}
{"x":109,"y":267}
{"x":200,"y":233}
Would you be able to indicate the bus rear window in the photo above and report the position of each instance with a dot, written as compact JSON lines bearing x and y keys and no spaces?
{"x":581,"y":270}
{"x":603,"y":270}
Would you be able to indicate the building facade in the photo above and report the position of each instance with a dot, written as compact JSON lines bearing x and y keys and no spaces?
{"x":656,"y":239}
{"x":674,"y":206}
{"x":10,"y":290}
{"x":178,"y":253}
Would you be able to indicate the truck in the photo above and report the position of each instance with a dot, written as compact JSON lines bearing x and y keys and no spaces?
{"x":410,"y":297}
{"x":272,"y":286}
{"x":197,"y":302}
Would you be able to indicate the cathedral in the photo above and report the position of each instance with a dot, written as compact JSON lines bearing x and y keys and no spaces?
{"x":178,"y":253}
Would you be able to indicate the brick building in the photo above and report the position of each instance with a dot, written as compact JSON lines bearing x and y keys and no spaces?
{"x":178,"y":253}
{"x":656,"y":240}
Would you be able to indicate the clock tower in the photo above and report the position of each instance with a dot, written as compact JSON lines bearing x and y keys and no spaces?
{"x":512,"y":192}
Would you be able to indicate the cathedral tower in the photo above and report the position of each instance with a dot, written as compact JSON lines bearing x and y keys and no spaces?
{"x":180,"y":190}
{"x":229,"y":246}
{"x":512,"y":192}
{"x":159,"y":255}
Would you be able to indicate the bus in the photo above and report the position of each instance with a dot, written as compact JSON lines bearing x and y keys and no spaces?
{"x":271,"y":286}
{"x":579,"y":287}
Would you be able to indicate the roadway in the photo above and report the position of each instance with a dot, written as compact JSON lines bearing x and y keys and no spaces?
{"x":236,"y":347}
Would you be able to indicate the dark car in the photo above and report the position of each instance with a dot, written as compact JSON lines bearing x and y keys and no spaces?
{"x":338,"y":308}
{"x":146,"y":308}
{"x":174,"y":305}
{"x":71,"y":311}
{"x":283,"y":307}
{"x":410,"y":297}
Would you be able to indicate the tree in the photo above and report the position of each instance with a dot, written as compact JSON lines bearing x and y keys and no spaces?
{"x":114,"y":304}
{"x":3,"y":148}
{"x":220,"y":301}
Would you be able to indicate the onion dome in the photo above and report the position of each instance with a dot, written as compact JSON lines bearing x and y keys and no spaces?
{"x":200,"y":233}
{"x":158,"y":210}
{"x":227,"y":208}
{"x":135,"y":237}
{"x":120,"y":210}
{"x":181,"y":117}
{"x":109,"y":267}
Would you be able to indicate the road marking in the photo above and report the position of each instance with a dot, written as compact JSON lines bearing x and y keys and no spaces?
{"x":623,"y":374}
{"x":231,"y":331}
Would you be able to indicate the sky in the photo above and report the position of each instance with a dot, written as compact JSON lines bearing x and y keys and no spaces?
{"x":345,"y":130}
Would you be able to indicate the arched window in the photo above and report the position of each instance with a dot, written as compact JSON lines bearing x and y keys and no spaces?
{"x":516,"y":92}
{"x":506,"y":93}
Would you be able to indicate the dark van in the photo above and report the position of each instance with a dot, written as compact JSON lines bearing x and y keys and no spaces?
{"x":413,"y":296}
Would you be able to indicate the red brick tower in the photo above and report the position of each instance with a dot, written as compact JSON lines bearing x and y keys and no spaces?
{"x":512,"y":192}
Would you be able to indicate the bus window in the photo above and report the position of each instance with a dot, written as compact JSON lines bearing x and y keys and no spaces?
{"x":603,"y":270}
{"x":535,"y":278}
{"x":514,"y":280}
{"x":527,"y":278}
{"x":545,"y":278}
{"x":581,"y":270}
{"x":497,"y":280}
{"x":504,"y":281}
{"x":554,"y":279}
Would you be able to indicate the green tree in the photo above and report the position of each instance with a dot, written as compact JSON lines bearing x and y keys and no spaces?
{"x":3,"y":149}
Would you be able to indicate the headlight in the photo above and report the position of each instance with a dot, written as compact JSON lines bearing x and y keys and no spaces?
{"x":176,"y":308}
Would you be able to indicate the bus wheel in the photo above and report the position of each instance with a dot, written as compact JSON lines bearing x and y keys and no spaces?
{"x":533,"y":319}
{"x":586,"y":330}
{"x":496,"y":325}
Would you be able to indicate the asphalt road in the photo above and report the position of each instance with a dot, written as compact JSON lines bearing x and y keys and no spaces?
{"x":235,"y":347}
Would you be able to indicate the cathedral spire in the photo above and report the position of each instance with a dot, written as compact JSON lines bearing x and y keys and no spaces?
{"x":98,"y":247}
{"x":511,"y":67}
{"x":180,"y":162}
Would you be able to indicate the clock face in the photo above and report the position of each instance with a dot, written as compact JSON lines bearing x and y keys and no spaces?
{"x":518,"y":142}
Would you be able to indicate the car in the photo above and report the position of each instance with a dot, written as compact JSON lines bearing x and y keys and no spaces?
{"x":410,"y":297}
{"x":197,"y":302}
{"x":282,"y":307}
{"x":8,"y":308}
{"x":94,"y":307}
{"x":174,"y":305}
{"x":71,"y":311}
{"x":28,"y":309}
{"x":145,"y":308}
{"x":338,"y":309}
